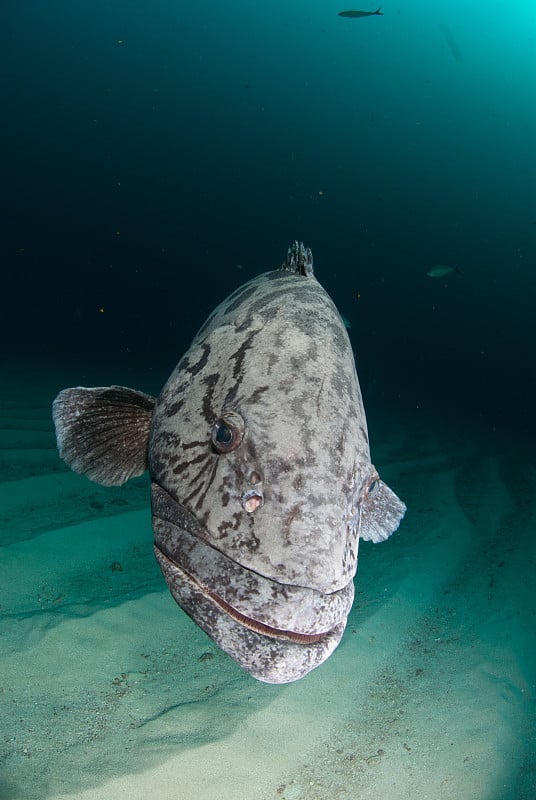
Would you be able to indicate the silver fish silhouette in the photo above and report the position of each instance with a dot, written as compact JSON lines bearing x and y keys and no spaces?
{"x":356,"y":14}
{"x":259,"y":459}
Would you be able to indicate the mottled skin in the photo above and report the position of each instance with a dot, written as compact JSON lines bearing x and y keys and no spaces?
{"x":261,"y":475}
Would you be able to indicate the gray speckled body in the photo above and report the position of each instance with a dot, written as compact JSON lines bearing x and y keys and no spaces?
{"x":261,"y":476}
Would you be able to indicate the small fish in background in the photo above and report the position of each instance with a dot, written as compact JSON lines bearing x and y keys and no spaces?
{"x":347,"y":323}
{"x":440,"y":271}
{"x":355,"y":14}
{"x":451,"y":42}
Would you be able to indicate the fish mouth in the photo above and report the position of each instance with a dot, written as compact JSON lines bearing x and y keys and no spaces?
{"x":277,"y":632}
{"x":268,"y":654}
{"x":247,"y":622}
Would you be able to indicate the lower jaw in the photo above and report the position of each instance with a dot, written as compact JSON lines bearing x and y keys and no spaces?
{"x":269,"y":654}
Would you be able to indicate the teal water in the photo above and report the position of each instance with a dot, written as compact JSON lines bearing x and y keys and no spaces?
{"x":155,"y":157}
{"x":109,"y":690}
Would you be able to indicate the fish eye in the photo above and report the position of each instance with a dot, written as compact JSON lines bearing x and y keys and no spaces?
{"x":224,"y":435}
{"x":227,"y":432}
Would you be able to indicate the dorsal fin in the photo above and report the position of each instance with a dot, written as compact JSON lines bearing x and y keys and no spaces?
{"x":299,"y":260}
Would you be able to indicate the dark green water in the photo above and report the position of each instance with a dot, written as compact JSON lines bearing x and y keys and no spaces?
{"x":151,"y":149}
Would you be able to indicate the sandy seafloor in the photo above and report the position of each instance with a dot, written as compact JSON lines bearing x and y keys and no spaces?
{"x":109,"y":691}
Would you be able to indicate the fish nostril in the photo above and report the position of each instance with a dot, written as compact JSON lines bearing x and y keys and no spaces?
{"x":255,"y":478}
{"x":251,"y":501}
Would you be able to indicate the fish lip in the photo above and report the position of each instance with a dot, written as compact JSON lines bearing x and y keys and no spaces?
{"x":247,"y":622}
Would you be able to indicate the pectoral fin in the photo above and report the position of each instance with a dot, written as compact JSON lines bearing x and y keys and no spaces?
{"x":381,"y":514}
{"x":103,"y":433}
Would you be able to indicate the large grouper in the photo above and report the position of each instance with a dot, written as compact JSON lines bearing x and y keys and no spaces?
{"x":261,"y":478}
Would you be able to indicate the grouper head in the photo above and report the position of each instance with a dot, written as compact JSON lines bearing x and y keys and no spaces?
{"x":259,"y":459}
